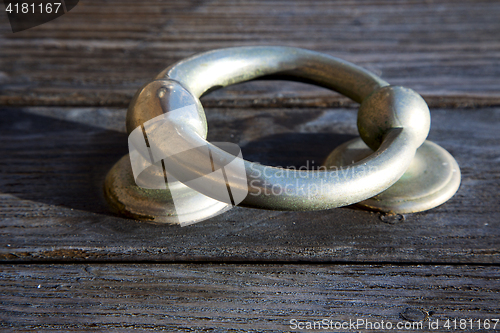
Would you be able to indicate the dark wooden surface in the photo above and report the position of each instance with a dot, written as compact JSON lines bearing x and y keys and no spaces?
{"x":102,"y":51}
{"x":67,"y":264}
{"x":53,"y":208}
{"x":240,"y":298}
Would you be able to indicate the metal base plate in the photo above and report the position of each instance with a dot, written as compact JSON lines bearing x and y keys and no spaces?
{"x":128,"y":199}
{"x":432,"y":178}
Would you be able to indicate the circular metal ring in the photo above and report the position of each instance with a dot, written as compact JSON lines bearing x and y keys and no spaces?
{"x":393,"y":121}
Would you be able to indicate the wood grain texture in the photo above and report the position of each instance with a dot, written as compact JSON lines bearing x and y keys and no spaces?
{"x":68,"y":264}
{"x":240,"y":298}
{"x":54,"y":162}
{"x":102,"y":51}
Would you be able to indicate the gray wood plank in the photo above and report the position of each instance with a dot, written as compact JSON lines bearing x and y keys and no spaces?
{"x":243,"y":298}
{"x":101,"y":52}
{"x":54,"y":161}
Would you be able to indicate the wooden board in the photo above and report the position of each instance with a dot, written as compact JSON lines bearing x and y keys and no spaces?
{"x":67,"y":264}
{"x":243,"y":298}
{"x":52,"y":206}
{"x":101,"y":52}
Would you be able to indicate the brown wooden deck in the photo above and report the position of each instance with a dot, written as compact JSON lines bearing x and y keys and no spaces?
{"x":67,"y":264}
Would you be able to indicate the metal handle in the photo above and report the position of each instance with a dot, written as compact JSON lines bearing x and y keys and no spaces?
{"x":393,"y":121}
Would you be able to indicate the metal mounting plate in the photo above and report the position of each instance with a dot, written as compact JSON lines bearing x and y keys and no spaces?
{"x":126,"y":198}
{"x":432,"y":178}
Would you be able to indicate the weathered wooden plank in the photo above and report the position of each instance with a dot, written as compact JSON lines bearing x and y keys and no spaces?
{"x":101,"y":52}
{"x":243,"y":298}
{"x":52,"y":208}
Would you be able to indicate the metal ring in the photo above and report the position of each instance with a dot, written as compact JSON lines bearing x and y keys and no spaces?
{"x":393,"y":121}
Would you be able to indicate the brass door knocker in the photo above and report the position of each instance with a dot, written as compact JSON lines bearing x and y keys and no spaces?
{"x":174,"y":175}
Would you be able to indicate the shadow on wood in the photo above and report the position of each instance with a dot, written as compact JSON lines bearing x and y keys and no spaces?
{"x":57,"y":162}
{"x":64,"y":163}
{"x":294,"y":150}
